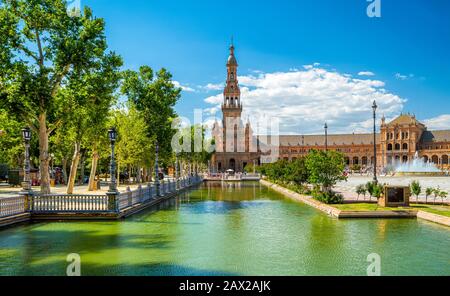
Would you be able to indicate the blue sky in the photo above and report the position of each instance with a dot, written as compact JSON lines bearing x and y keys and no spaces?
{"x":407,"y":50}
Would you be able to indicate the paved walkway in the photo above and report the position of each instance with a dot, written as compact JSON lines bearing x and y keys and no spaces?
{"x":348,"y":188}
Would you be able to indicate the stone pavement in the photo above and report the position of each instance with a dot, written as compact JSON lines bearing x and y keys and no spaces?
{"x":347,"y":188}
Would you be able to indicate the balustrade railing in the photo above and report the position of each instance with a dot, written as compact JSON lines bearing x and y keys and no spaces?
{"x":61,"y":203}
{"x":10,"y":206}
{"x":79,"y":203}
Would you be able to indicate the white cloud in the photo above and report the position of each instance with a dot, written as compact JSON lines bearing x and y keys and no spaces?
{"x":304,"y":99}
{"x":214,"y":86}
{"x":366,"y":73}
{"x":441,"y":122}
{"x":183,"y":87}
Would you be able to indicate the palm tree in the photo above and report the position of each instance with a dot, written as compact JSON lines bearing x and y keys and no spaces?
{"x":361,"y":189}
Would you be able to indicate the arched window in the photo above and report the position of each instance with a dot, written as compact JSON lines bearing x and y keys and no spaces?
{"x":445,"y":159}
{"x":435,"y":159}
{"x":397,"y":146}
{"x":389,"y":147}
{"x":405,"y":158}
{"x":355,"y":160}
{"x":405,"y":146}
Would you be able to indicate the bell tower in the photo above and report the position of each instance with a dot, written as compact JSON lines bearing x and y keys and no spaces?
{"x":232,"y":106}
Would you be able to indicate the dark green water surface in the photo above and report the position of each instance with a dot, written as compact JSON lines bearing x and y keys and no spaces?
{"x":228,"y":229}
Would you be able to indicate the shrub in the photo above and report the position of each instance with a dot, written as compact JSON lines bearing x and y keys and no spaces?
{"x":361,"y":190}
{"x":328,"y":197}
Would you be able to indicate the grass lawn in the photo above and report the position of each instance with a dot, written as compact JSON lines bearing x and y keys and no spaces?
{"x":366,"y":207}
{"x":362,"y":207}
{"x":434,"y":209}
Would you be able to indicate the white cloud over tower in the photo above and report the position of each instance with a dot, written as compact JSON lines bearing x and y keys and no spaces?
{"x":304,"y":100}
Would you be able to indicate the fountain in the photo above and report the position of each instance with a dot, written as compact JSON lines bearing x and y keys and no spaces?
{"x":418,"y":167}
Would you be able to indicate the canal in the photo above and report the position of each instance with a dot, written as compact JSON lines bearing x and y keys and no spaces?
{"x":227,"y":229}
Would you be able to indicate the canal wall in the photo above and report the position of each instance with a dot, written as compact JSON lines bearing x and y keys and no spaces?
{"x":334,"y":212}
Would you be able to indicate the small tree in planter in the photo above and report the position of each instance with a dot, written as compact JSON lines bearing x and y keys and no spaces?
{"x":443,"y":195}
{"x":361,"y":190}
{"x":416,"y":189}
{"x":436,"y":193}
{"x":369,"y":188}
{"x":429,"y":191}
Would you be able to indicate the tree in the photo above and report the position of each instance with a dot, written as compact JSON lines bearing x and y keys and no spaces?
{"x":91,"y":95}
{"x":42,"y":49}
{"x":428,"y":192}
{"x":11,"y":142}
{"x":361,"y":190}
{"x":134,"y":148}
{"x":416,"y":189}
{"x":155,"y":97}
{"x":443,"y":195}
{"x":325,"y":168}
{"x":436,"y":193}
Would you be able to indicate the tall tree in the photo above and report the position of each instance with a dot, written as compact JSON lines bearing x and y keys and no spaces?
{"x":91,"y":95}
{"x":41,"y":49}
{"x":155,"y":97}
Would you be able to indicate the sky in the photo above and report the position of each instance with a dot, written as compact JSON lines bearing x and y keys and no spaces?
{"x":303,"y":62}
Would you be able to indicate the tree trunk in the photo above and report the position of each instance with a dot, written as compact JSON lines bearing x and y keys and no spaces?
{"x":74,"y":168}
{"x":130,"y":178}
{"x":138,"y":174}
{"x":82,"y":165}
{"x":64,"y":170}
{"x":93,"y":173}
{"x":43,"y":154}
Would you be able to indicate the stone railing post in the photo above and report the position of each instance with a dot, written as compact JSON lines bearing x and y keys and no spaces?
{"x":130,"y":196}
{"x":113,"y":201}
{"x":27,"y":200}
{"x":141,"y":195}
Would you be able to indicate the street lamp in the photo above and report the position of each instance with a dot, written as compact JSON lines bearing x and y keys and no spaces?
{"x":326,"y":136}
{"x":176,"y":170}
{"x":374,"y":107}
{"x":157,"y":168}
{"x":112,"y":133}
{"x":26,"y":184}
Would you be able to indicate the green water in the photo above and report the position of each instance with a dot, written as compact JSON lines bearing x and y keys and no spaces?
{"x":238,"y":229}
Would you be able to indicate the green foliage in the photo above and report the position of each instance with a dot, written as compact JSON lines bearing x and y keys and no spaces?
{"x":155,"y":97}
{"x":283,"y":171}
{"x":443,"y":195}
{"x":133,"y":146}
{"x":428,"y":192}
{"x":11,"y":143}
{"x":361,"y":190}
{"x":374,"y":189}
{"x":416,"y":189}
{"x":328,"y":197}
{"x":325,"y":168}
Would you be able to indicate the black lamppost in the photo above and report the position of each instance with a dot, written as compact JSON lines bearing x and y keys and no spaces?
{"x":326,"y":136}
{"x":374,"y":107}
{"x":157,"y":168}
{"x":112,"y":138}
{"x":26,"y":184}
{"x":176,"y":170}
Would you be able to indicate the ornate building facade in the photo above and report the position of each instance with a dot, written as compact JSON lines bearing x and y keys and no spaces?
{"x":398,"y":141}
